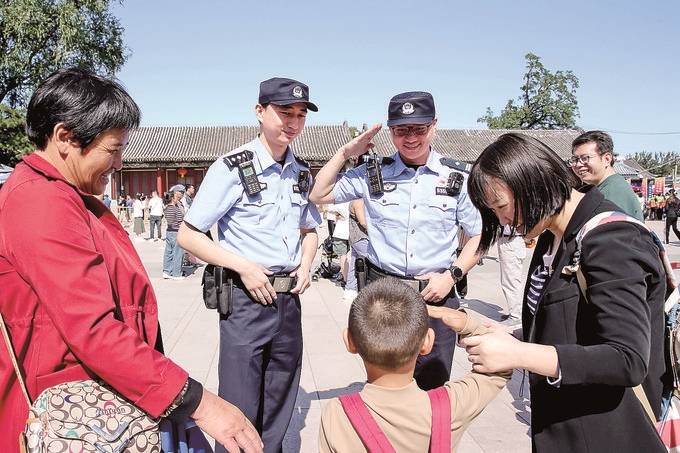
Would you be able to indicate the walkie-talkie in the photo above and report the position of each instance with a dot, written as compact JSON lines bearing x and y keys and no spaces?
{"x":374,"y":174}
{"x":246,"y":171}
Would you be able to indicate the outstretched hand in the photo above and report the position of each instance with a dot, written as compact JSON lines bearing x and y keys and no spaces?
{"x":225,"y":423}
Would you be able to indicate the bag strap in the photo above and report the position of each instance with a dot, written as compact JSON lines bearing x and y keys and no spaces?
{"x":13,"y":357}
{"x":440,"y":441}
{"x":602,"y":219}
{"x":374,"y":438}
{"x":365,"y":425}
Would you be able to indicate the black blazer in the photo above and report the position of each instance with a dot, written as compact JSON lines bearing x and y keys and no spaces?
{"x":605,"y":346}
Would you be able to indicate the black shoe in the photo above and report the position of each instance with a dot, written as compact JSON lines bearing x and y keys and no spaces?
{"x":504,"y":317}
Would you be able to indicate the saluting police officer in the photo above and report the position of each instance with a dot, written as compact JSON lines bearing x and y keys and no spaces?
{"x":412,"y":214}
{"x":258,"y":196}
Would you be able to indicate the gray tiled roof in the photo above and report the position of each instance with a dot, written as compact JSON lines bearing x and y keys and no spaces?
{"x":467,"y":144}
{"x":201,"y":145}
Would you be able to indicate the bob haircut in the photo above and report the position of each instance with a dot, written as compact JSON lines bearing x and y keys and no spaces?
{"x":540,"y":182}
{"x":86,"y":103}
{"x":388,"y":322}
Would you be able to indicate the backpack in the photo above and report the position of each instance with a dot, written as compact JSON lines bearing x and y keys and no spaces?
{"x":668,"y":424}
{"x":374,"y":438}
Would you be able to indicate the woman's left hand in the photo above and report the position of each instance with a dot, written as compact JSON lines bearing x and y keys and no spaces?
{"x":493,"y":351}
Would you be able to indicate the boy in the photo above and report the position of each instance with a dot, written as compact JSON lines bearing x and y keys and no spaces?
{"x":388,"y":327}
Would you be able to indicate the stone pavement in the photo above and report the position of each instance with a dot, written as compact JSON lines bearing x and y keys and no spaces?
{"x":190,"y":333}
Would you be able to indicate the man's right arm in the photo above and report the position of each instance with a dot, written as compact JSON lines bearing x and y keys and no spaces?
{"x":253,"y":275}
{"x":324,"y":182}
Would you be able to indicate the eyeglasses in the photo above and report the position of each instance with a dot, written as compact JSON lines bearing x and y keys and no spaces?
{"x":584,"y":159}
{"x":401,"y":131}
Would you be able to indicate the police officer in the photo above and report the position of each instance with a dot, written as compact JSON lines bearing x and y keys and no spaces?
{"x":412,"y":215}
{"x":258,"y":196}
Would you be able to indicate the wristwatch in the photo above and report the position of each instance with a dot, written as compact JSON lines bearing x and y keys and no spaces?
{"x":456,"y":272}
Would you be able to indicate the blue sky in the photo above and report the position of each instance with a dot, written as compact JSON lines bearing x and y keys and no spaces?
{"x":200,"y":62}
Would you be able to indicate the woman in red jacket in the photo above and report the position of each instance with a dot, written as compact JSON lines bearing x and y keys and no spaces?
{"x":73,"y":291}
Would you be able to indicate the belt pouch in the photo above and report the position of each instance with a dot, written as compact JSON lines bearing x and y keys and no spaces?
{"x":217,"y":289}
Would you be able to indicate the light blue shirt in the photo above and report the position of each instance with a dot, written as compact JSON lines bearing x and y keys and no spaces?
{"x":412,"y":227}
{"x":265,"y":227}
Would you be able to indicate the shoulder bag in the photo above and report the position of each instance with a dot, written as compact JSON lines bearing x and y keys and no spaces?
{"x":84,"y":416}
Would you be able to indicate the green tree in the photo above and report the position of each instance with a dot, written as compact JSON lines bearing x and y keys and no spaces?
{"x":13,"y":140}
{"x":657,"y":163}
{"x":39,"y":36}
{"x":548,"y":101}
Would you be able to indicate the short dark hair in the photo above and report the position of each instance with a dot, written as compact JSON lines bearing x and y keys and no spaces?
{"x":540,"y":181}
{"x":603,"y":142}
{"x":86,"y":103}
{"x":388,"y":322}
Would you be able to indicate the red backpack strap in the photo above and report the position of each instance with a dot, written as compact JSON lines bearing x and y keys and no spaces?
{"x":365,"y":425}
{"x":440,"y":441}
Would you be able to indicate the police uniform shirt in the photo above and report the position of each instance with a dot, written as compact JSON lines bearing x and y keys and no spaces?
{"x":412,"y":225}
{"x":264,"y":227}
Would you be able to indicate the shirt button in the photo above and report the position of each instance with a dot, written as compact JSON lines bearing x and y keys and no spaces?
{"x":414,"y":206}
{"x":413,"y":231}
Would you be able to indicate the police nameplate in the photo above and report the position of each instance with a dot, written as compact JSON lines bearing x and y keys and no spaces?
{"x":441,"y":191}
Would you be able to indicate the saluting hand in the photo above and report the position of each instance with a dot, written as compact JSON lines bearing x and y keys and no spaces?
{"x":361,"y":143}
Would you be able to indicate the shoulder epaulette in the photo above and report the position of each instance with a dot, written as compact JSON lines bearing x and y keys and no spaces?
{"x":456,"y":164}
{"x":233,"y":160}
{"x":301,"y":161}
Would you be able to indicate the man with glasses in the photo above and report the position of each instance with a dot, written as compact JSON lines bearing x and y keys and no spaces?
{"x":412,"y":220}
{"x":592,"y":159}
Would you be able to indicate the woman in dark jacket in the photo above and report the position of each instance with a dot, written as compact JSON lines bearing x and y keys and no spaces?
{"x":672,"y":206}
{"x":583,"y":356}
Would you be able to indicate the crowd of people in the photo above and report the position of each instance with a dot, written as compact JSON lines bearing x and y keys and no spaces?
{"x":397,"y":217}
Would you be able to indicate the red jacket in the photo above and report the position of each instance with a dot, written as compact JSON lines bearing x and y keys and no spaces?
{"x":76,"y":298}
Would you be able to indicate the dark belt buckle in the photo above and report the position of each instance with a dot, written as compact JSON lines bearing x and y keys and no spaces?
{"x":283,"y":284}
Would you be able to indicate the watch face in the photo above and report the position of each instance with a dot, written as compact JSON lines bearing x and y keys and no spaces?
{"x":457,"y":272}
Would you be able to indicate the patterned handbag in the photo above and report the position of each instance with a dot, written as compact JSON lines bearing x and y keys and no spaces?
{"x":88,"y":416}
{"x":84,"y":416}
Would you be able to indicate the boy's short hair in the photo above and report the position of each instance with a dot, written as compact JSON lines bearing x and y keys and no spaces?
{"x":388,"y":322}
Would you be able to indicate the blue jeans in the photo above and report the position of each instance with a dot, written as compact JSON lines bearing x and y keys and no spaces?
{"x":172,"y":259}
{"x":155,"y":220}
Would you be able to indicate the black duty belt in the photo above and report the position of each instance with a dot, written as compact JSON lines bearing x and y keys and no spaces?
{"x":375,"y":273}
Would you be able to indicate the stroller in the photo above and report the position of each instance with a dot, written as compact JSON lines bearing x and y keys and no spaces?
{"x":327,"y":268}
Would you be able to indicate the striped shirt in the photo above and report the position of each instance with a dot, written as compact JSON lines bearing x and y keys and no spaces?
{"x":538,"y":279}
{"x":174,"y":215}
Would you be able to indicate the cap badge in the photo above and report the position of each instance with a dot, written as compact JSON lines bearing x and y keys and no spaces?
{"x":407,"y":108}
{"x":297,"y":92}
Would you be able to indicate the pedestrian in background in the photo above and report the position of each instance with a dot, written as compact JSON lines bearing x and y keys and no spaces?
{"x":174,"y":254}
{"x":155,"y":215}
{"x":593,"y":160}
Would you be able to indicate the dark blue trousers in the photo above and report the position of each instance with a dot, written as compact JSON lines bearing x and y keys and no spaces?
{"x":434,"y":369}
{"x":259,"y":363}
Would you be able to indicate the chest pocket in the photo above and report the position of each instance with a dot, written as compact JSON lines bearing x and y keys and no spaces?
{"x":257,"y":208}
{"x":558,"y":316}
{"x":385,"y":209}
{"x":440,"y":213}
